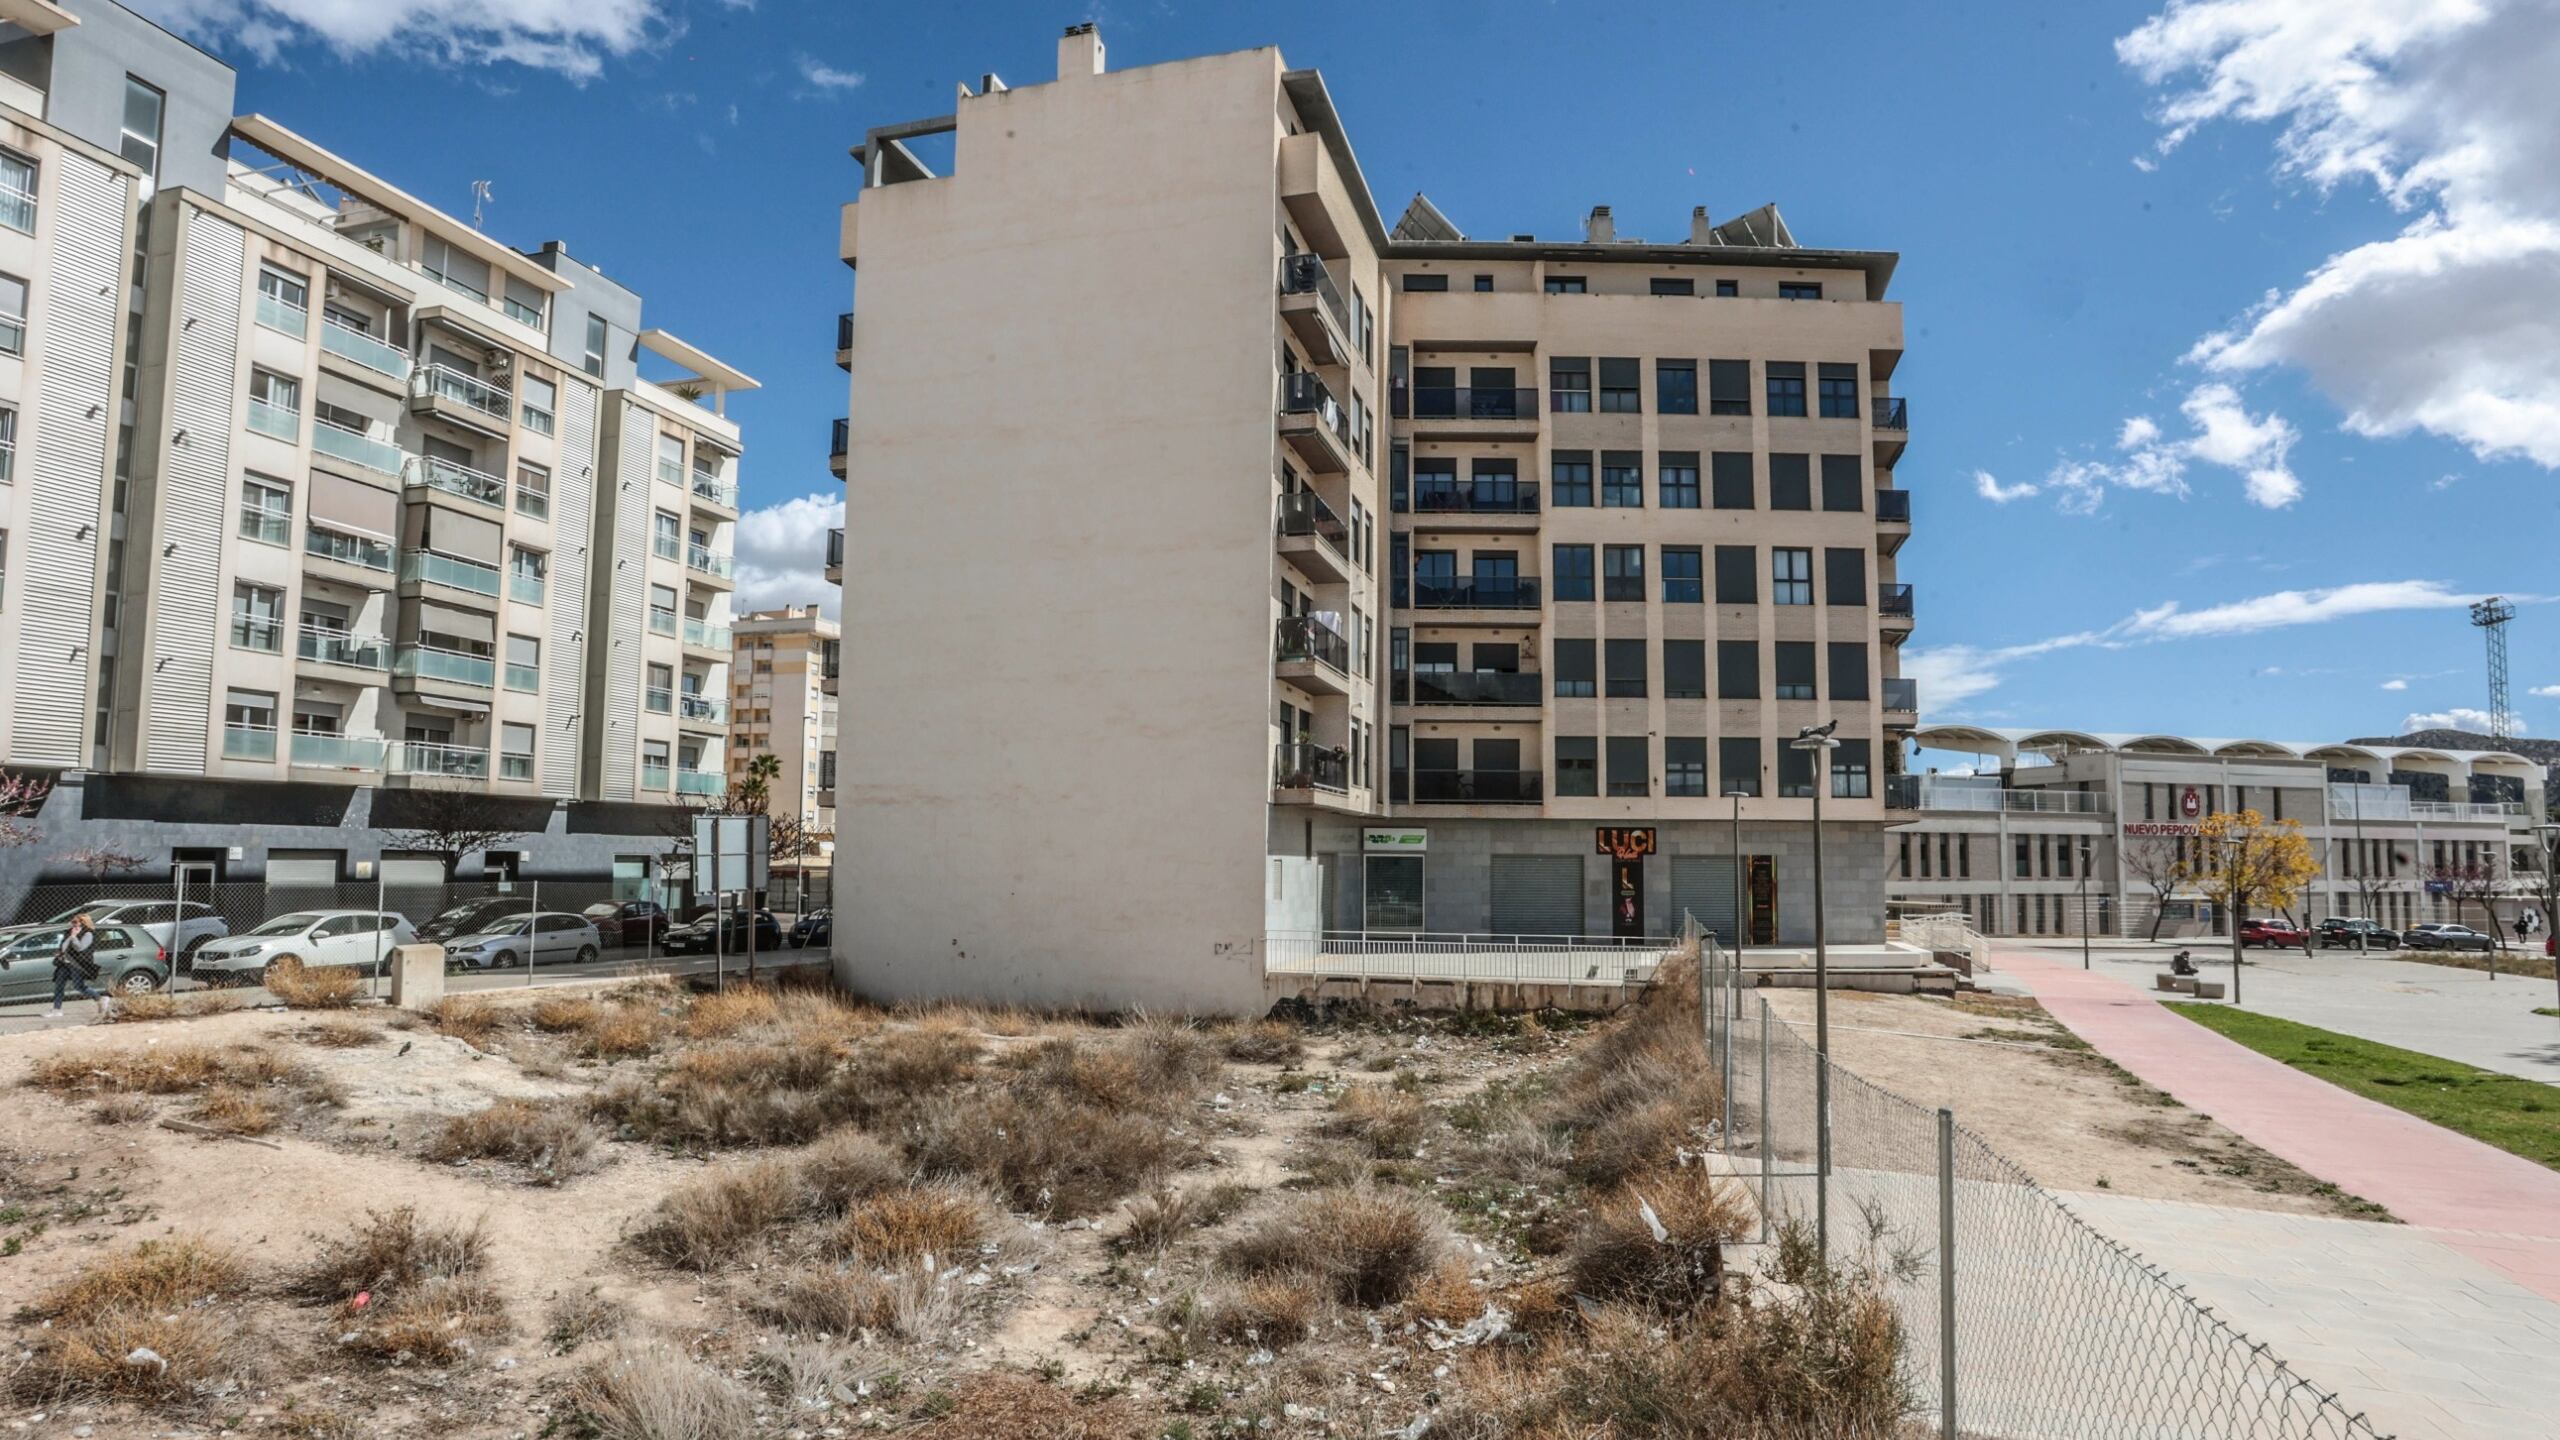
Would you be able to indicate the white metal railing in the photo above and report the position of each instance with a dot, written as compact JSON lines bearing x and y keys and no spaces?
{"x":458,"y":479}
{"x":465,"y":389}
{"x":1984,"y":799}
{"x":2463,"y":810}
{"x":425,"y":757}
{"x":1509,"y":959}
{"x":363,"y":349}
{"x":1948,"y":930}
{"x":322,"y":645}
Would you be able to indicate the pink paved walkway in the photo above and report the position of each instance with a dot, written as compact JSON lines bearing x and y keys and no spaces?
{"x":2507,"y":1208}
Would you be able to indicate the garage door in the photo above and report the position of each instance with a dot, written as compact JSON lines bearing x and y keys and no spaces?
{"x":1702,"y":885}
{"x":303,"y":869}
{"x":412,"y":870}
{"x":1537,"y":894}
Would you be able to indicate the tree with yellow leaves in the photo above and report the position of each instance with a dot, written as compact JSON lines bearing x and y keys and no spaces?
{"x":2242,"y":858}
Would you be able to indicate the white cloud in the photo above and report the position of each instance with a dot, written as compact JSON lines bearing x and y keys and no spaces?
{"x":782,"y":554}
{"x":573,"y":37}
{"x":826,"y":78}
{"x":2221,"y":431}
{"x":2460,"y":717}
{"x":2395,"y":684}
{"x":2446,"y":109}
{"x":2545,"y":692}
{"x":1988,"y":486}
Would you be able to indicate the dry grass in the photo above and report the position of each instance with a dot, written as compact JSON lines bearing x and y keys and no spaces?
{"x":234,"y":1110}
{"x":840,"y":1301}
{"x":656,"y":1392}
{"x":577,"y":1319}
{"x":244,"y":1088}
{"x":554,"y":1142}
{"x":1616,"y":1256}
{"x":474,"y":1021}
{"x":161,"y":1296}
{"x":1386,"y":1122}
{"x":996,"y":1406}
{"x":406,"y":1289}
{"x":313,"y":987}
{"x":845,"y":1168}
{"x":938,"y":1220}
{"x":1639,"y":1092}
{"x":161,"y":1005}
{"x":1446,"y":1295}
{"x":123,"y":1110}
{"x":711,"y":1220}
{"x":1367,"y":1247}
{"x":162,"y":1070}
{"x":1268,"y":1310}
{"x":729,"y":1012}
{"x":340,"y":1033}
{"x":1265,"y":1042}
{"x":1165,"y":1214}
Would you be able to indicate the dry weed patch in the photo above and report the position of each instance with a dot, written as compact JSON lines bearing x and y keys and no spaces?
{"x":164,"y":1297}
{"x":938,"y":1219}
{"x":1265,"y":1042}
{"x":1367,"y":1247}
{"x":405,"y":1289}
{"x":313,"y":987}
{"x":710,"y":1220}
{"x":234,"y":1110}
{"x":1618,"y":1257}
{"x":552,"y":1141}
{"x":1268,"y":1310}
{"x":340,"y":1033}
{"x":161,"y":1005}
{"x":1165,"y":1214}
{"x":657,"y":1392}
{"x":1386,"y":1122}
{"x":474,"y":1021}
{"x":996,"y":1406}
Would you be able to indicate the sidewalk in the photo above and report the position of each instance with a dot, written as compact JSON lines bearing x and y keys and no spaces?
{"x":2505,"y":1211}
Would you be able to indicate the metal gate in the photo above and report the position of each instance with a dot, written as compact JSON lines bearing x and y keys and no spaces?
{"x":1702,"y":885}
{"x":1537,"y":894}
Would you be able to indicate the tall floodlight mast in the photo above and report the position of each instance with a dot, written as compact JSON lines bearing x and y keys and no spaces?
{"x":2492,"y":615}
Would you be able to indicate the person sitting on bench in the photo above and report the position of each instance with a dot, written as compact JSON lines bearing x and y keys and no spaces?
{"x":2179,"y":964}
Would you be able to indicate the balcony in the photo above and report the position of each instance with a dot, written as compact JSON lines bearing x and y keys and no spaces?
{"x":656,"y":775}
{"x":1314,"y":423}
{"x":323,"y":646}
{"x":1902,"y":792}
{"x":1311,"y":305}
{"x":1479,"y":787}
{"x":249,"y":742}
{"x":690,"y":781}
{"x":531,"y":503}
{"x":1477,"y":505}
{"x":701,"y":634}
{"x":1893,"y":520}
{"x":314,"y":751}
{"x":1901,"y":696}
{"x":835,"y":556}
{"x":363,"y":351}
{"x":844,"y":342}
{"x":661,"y":699}
{"x":368,"y":558}
{"x":661,"y":622}
{"x":525,"y":587}
{"x":1501,"y":597}
{"x":275,"y":422}
{"x":527,"y":678}
{"x":454,"y":667}
{"x":462,"y":398}
{"x":702,"y":711}
{"x":1893,"y":607}
{"x":703,"y":560}
{"x":1313,"y":538}
{"x":830,"y":665}
{"x":426,"y":472}
{"x":839,"y":441}
{"x":1312,"y":655}
{"x":1464,"y":412}
{"x":283,"y":316}
{"x":433,"y":760}
{"x":720,"y":493}
{"x":1304,"y":766}
{"x":450,"y":571}
{"x":1892,"y":427}
{"x":1478,"y":687}
{"x":379,"y":456}
{"x":1939,"y":793}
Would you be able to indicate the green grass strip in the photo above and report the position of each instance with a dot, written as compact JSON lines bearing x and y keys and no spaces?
{"x":2517,"y":1115}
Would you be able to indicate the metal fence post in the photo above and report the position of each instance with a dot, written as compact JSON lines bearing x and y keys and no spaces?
{"x":1947,"y":1274}
{"x":178,"y":928}
{"x":533,"y":934}
{"x":381,"y":907}
{"x":1768,"y":1150}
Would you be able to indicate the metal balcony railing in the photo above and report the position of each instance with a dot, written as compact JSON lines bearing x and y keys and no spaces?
{"x":451,"y":571}
{"x":1902,"y":792}
{"x":1892,"y":413}
{"x":456,"y":479}
{"x":1302,"y":765}
{"x":702,"y":707}
{"x":248,"y":742}
{"x":839,"y":439}
{"x":714,"y":489}
{"x":427,"y":757}
{"x":325,"y":646}
{"x":464,"y":389}
{"x":337,"y":752}
{"x":1466,"y":402}
{"x":347,"y":548}
{"x":1303,"y":637}
{"x":1307,"y":275}
{"x":705,"y":635}
{"x":363,"y":349}
{"x":708,"y":561}
{"x":831,"y":661}
{"x":835,"y":548}
{"x":1894,"y":506}
{"x":1901,"y":693}
{"x":1303,"y":392}
{"x":1304,"y":512}
{"x":1461,"y":592}
{"x":358,"y":449}
{"x":1477,"y":498}
{"x":844,"y":331}
{"x":1893,"y":600}
{"x":1937,"y":794}
{"x":1479,"y":787}
{"x":433,"y":662}
{"x":1478,"y":687}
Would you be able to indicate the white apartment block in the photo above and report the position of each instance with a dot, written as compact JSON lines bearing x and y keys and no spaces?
{"x":783,"y":704}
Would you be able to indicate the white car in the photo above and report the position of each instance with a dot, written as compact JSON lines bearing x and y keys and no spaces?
{"x":314,"y":937}
{"x":155,"y":918}
{"x":551,"y":937}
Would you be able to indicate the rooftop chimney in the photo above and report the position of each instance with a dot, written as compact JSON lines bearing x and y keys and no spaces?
{"x":1702,"y":231}
{"x":1080,"y":52}
{"x":1599,"y":229}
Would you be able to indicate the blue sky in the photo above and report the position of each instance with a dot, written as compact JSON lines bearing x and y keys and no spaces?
{"x":2231,"y":357}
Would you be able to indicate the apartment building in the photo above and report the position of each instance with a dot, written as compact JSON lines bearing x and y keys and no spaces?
{"x":1532,"y":556}
{"x":783,"y":704}
{"x":2066,"y":832}
{"x":336,"y":496}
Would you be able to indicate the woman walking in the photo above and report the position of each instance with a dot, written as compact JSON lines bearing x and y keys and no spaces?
{"x":75,"y":964}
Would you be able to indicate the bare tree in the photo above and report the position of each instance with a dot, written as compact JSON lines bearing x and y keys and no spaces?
{"x":450,"y":823}
{"x":21,"y":799}
{"x":2475,"y":883}
{"x":105,"y":861}
{"x":2155,"y":860}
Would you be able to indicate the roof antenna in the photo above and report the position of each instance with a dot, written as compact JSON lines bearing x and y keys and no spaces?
{"x":481,"y":195}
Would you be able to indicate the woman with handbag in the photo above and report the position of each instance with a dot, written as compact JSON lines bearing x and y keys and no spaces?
{"x":75,"y":964}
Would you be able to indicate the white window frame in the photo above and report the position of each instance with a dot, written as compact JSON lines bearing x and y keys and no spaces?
{"x":13,"y":327}
{"x":128,"y":137}
{"x":18,"y":197}
{"x":252,"y":484}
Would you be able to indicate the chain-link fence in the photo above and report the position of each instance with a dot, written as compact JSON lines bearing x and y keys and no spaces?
{"x":2019,"y":1319}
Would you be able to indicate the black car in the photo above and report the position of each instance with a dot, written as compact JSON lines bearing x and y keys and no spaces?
{"x":471,"y":917}
{"x":2343,"y":934}
{"x":628,"y":922}
{"x":816,"y":927}
{"x":695,"y":937}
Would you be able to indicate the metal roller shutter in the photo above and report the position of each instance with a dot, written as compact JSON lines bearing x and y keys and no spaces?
{"x":1537,"y":894}
{"x":303,"y":869}
{"x":1702,"y":885}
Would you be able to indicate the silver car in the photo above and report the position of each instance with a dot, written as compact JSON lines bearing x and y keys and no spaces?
{"x":549,"y":937}
{"x":314,"y":937}
{"x":193,"y":923}
{"x":129,"y":962}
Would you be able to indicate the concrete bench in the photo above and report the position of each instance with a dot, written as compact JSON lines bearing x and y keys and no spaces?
{"x":2182,"y":984}
{"x":2206,"y":989}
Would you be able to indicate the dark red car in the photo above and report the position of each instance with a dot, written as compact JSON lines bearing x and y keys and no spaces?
{"x":2279,"y":934}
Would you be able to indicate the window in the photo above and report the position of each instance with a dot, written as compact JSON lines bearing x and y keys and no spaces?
{"x":1683,"y":575}
{"x":1684,"y":765}
{"x":266,"y":509}
{"x":524,"y":663}
{"x":1675,"y":387}
{"x":245,"y":715}
{"x":1630,"y":766}
{"x":1625,"y":666}
{"x":454,"y":269}
{"x":1795,"y":669}
{"x":1572,"y":577}
{"x":1682,"y":286}
{"x":1790,"y":482}
{"x":1790,"y":577}
{"x":1621,"y":386}
{"x":1730,"y":472}
{"x":541,"y":400}
{"x":1484,"y":284}
{"x":4,"y":566}
{"x":2062,"y":852}
{"x":1622,"y":572}
{"x":1728,"y":387}
{"x":17,"y":191}
{"x":1848,"y":670}
{"x":526,"y":571}
{"x":661,"y":697}
{"x":1844,"y":483}
{"x":1738,"y":669}
{"x":1684,"y":669}
{"x":1622,"y":479}
{"x":257,"y":618}
{"x":140,"y":141}
{"x":1569,"y":384}
{"x":597,"y":338}
{"x":515,"y":751}
{"x":2025,"y":859}
{"x":1799,"y":290}
{"x":1577,"y":765}
{"x":666,"y":536}
{"x":1728,"y":289}
{"x":1786,"y":387}
{"x":275,"y":404}
{"x":1844,"y":576}
{"x":1566,"y":285}
{"x":671,"y":459}
{"x":1676,"y":479}
{"x":1839,"y":391}
{"x":662,"y":609}
{"x":1569,"y":478}
{"x":654,"y":773}
{"x":13,"y":315}
{"x":1795,"y":772}
{"x":1738,"y":761}
{"x":533,"y":490}
{"x":1737,"y":575}
{"x":8,"y":443}
{"x":523,"y":303}
{"x":1574,"y":672}
{"x":284,"y":301}
{"x":1425,"y":284}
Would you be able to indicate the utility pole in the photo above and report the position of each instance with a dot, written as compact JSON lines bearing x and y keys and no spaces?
{"x":1817,"y":739}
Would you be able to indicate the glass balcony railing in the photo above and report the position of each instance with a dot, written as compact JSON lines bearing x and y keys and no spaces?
{"x":1893,"y":506}
{"x":1306,"y":275}
{"x":1304,"y":766}
{"x":709,"y":562}
{"x":363,"y":349}
{"x":275,"y":420}
{"x":254,"y":634}
{"x":451,"y":571}
{"x":1478,"y":687}
{"x":712,"y":488}
{"x":661,"y":699}
{"x":840,"y":440}
{"x":357,"y":449}
{"x":705,"y":635}
{"x":1478,"y":787}
{"x":1480,"y":497}
{"x":325,"y":646}
{"x":370,"y":551}
{"x":662,"y":622}
{"x":283,"y":316}
{"x":1466,"y":402}
{"x":667,"y":547}
{"x":427,"y":757}
{"x":462,"y":480}
{"x":521,"y":313}
{"x":1901,"y":693}
{"x":1302,"y":637}
{"x":656,"y":774}
{"x":1477,"y":592}
{"x":430,"y":662}
{"x":1304,"y":512}
{"x":703,"y":707}
{"x":248,"y":742}
{"x":1892,"y":413}
{"x":524,"y":677}
{"x":844,"y":321}
{"x":1894,"y":600}
{"x":532,"y":502}
{"x":670,"y":472}
{"x":515,"y":765}
{"x":462,"y":388}
{"x":337,"y":752}
{"x":835,"y":548}
{"x":690,"y":781}
{"x":524,"y":588}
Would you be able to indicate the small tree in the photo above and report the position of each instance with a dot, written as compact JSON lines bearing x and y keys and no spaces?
{"x":21,"y":799}
{"x":450,"y":823}
{"x":104,"y":862}
{"x":2243,"y":858}
{"x":2154,"y":860}
{"x":2473,"y":883}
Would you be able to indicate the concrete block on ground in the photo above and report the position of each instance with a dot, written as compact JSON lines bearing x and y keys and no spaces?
{"x":417,"y":976}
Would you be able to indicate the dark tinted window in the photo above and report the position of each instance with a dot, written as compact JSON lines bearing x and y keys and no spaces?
{"x":1738,"y":765}
{"x":1620,"y":382}
{"x":1737,"y":669}
{"x":1737,"y":576}
{"x":1675,"y":386}
{"x":1684,"y":669}
{"x":1729,"y":387}
{"x":1574,"y":676}
{"x":1622,"y":572}
{"x":1426,"y":284}
{"x":1848,"y":670}
{"x":1795,"y":669}
{"x":1786,"y":387}
{"x":1844,"y":483}
{"x":1571,"y":577}
{"x":1684,"y":765}
{"x":1577,"y":765}
{"x":1626,"y":669}
{"x":1731,"y":470}
{"x":1790,"y":482}
{"x":1569,"y":478}
{"x":1676,"y":479}
{"x":1630,"y":767}
{"x":1844,"y":576}
{"x":1662,"y":286}
{"x":1795,"y":772}
{"x":1622,"y":479}
{"x":1683,"y":583}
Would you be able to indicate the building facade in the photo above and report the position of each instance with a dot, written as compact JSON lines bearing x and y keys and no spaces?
{"x":1532,"y":555}
{"x":328,"y":489}
{"x":783,"y":704}
{"x":2068,"y":832}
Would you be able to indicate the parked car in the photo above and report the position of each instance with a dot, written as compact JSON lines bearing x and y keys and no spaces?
{"x":2448,"y":937}
{"x":2278,"y":933}
{"x":471,"y":917}
{"x":696,"y":936}
{"x":627,"y":922}
{"x":130,"y":962}
{"x":159,"y":919}
{"x":548,"y":937}
{"x":314,"y":937}
{"x":816,"y":927}
{"x":2336,"y":931}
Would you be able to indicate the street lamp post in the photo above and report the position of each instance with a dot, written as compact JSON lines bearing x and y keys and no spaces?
{"x":1817,"y":739}
{"x":1737,"y":789}
{"x":2084,"y":905}
{"x":2550,"y":834}
{"x":2233,"y":847}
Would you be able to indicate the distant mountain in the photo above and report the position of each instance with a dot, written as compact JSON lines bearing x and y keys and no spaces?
{"x":2546,"y":751}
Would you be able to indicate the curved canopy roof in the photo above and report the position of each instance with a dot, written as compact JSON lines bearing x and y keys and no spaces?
{"x":2009,"y":743}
